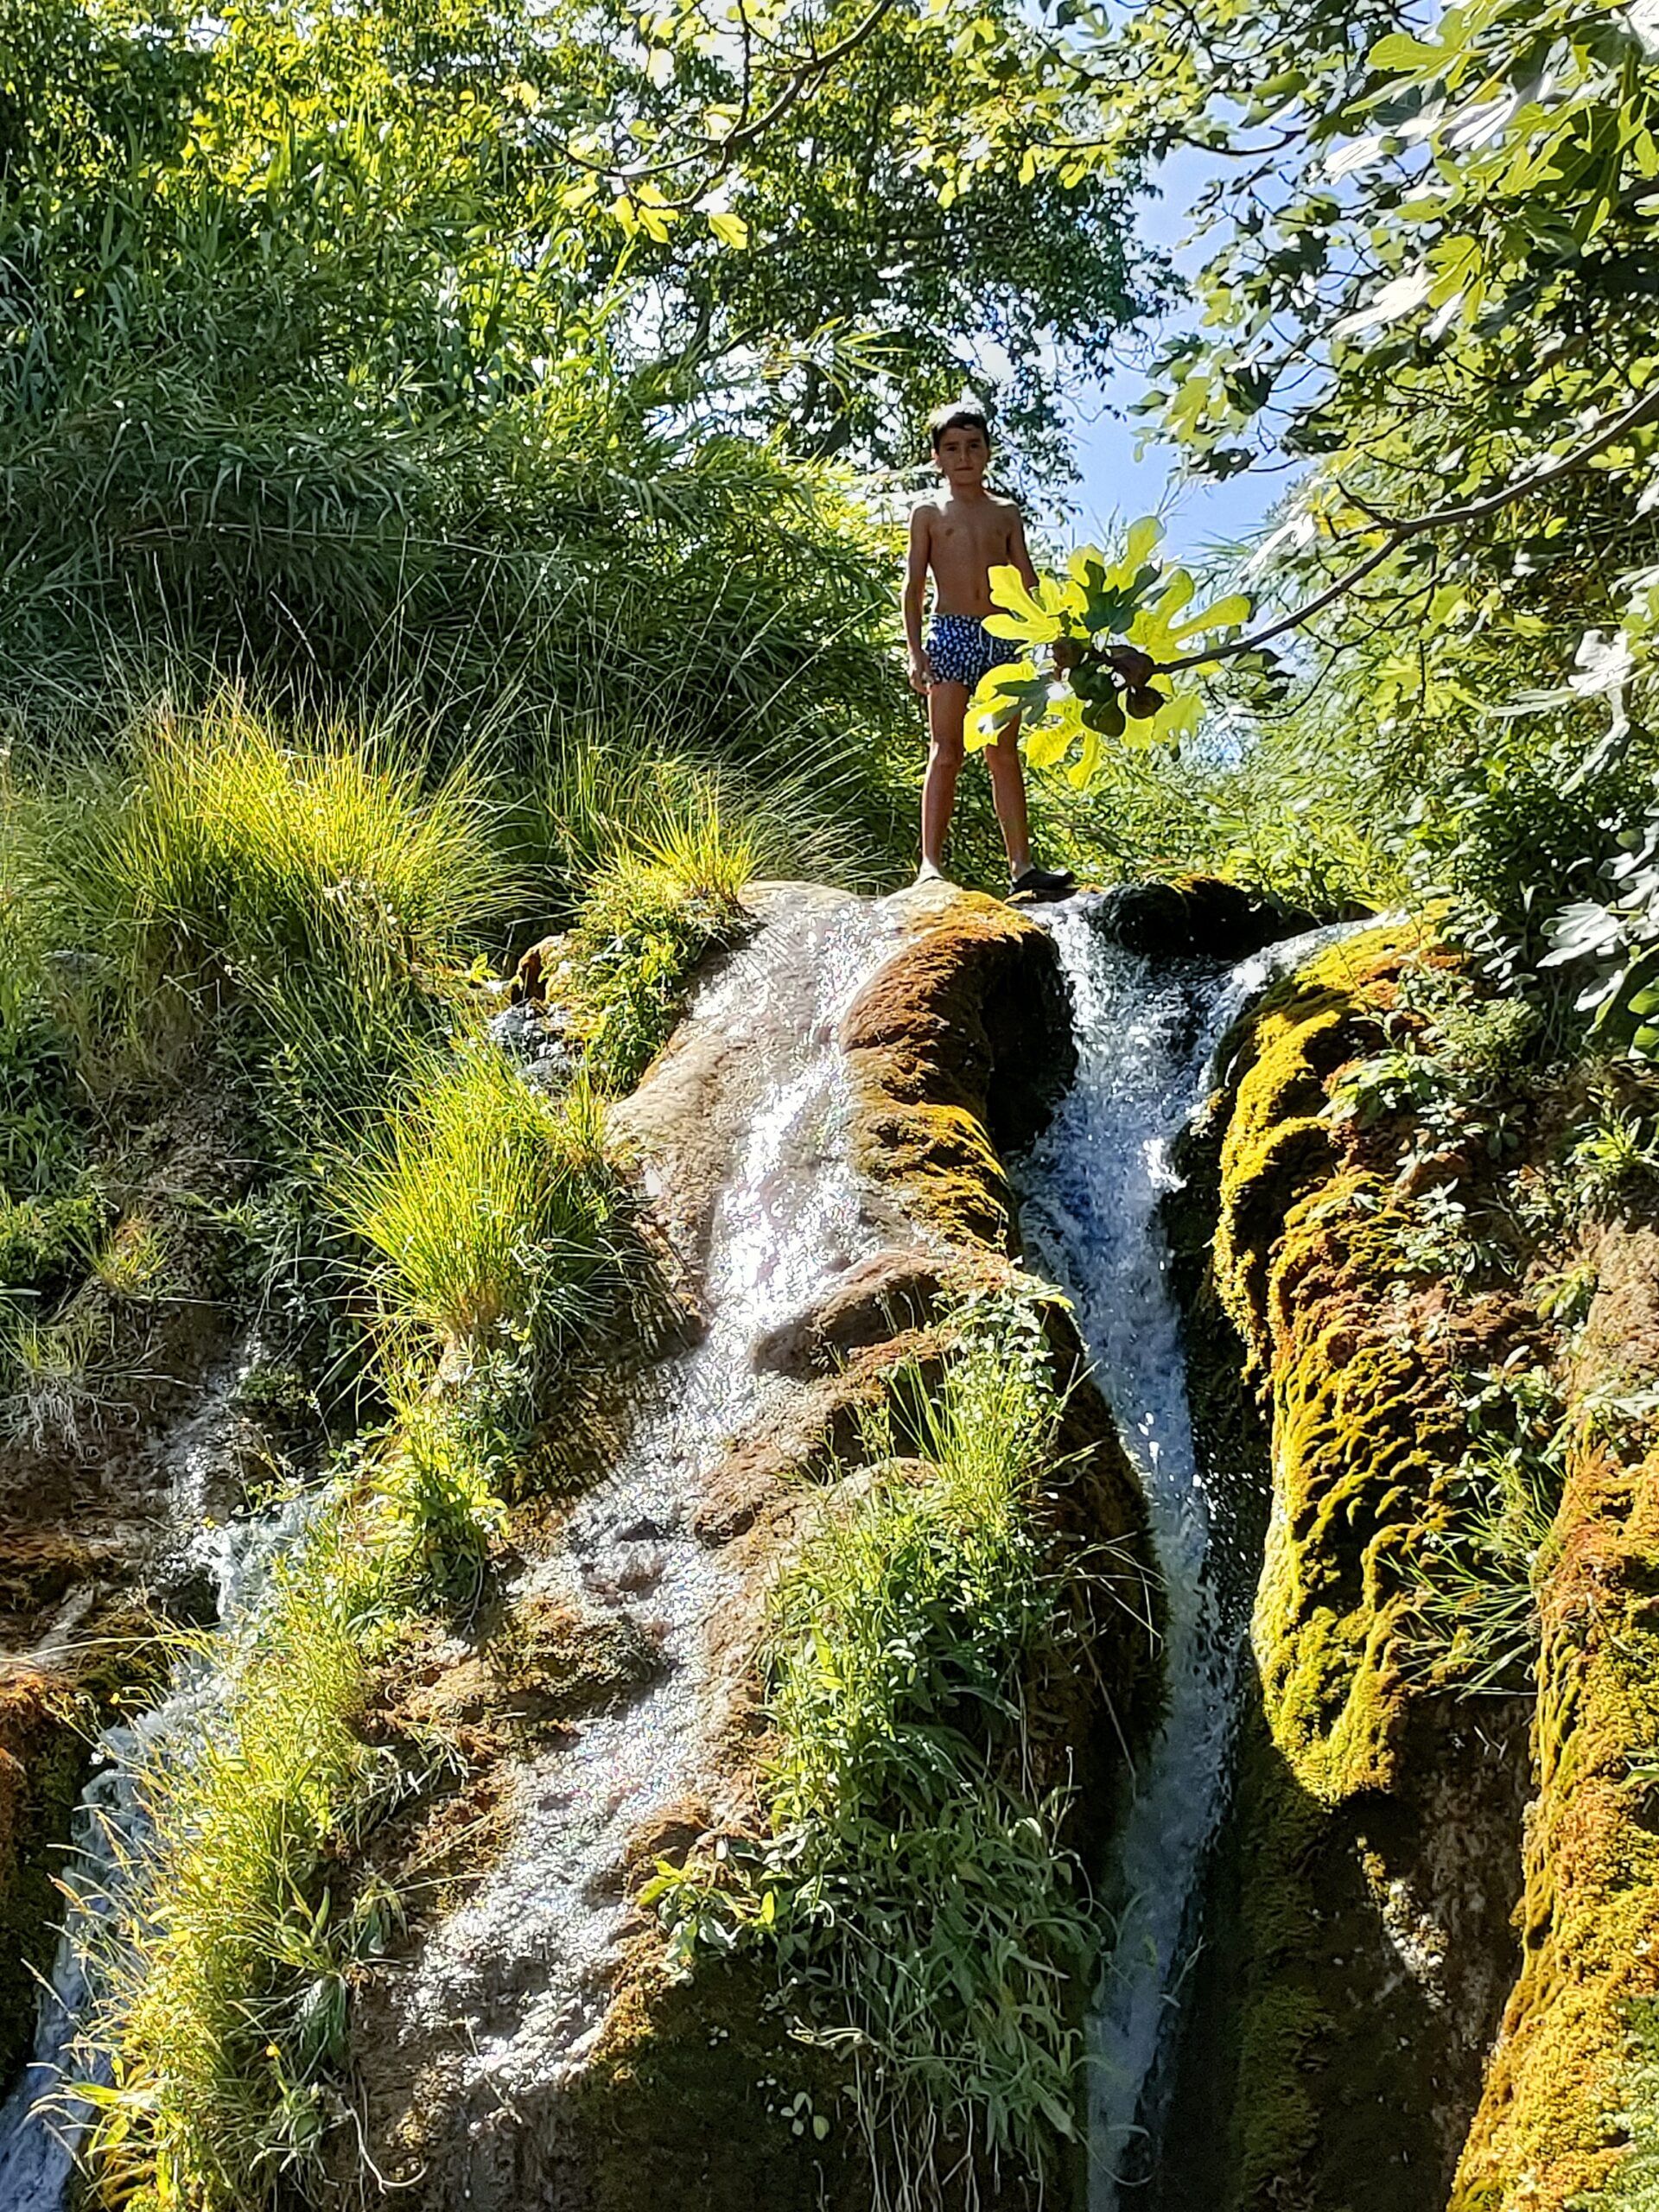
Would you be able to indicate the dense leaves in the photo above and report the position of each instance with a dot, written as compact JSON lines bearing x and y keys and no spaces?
{"x":1428,"y":274}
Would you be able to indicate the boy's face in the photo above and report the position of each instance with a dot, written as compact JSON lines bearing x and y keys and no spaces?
{"x":962,"y":455}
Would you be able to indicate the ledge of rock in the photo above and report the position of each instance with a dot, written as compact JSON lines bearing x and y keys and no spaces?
{"x":1199,"y":916}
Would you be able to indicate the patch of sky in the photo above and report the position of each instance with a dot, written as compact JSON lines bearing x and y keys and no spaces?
{"x":1118,"y":480}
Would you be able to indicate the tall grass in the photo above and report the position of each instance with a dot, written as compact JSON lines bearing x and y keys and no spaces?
{"x":225,"y":1976}
{"x":918,"y":1892}
{"x":492,"y":1206}
{"x":313,"y":889}
{"x":647,"y":920}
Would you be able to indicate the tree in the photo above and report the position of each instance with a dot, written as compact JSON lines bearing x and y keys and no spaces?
{"x":1430,"y":276}
{"x":834,"y":286}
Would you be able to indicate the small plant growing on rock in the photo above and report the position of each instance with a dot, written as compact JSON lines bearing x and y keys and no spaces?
{"x":916,"y":1890}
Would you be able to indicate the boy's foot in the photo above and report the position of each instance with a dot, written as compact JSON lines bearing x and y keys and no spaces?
{"x":1042,"y":883}
{"x":930,"y":872}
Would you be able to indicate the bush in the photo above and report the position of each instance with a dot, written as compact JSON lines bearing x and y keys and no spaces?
{"x":491,"y":1206}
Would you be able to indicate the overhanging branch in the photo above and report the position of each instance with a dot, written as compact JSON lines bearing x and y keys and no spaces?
{"x":1399,"y":529}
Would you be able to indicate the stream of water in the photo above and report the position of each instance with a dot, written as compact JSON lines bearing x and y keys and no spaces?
{"x":1091,"y":1194}
{"x":524,"y":1967}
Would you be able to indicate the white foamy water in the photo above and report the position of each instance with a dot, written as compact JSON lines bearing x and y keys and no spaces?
{"x":1091,"y":1192}
{"x":39,"y":2123}
{"x":522,"y":1972}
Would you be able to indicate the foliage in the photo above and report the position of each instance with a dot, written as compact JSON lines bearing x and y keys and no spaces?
{"x":866,"y":280}
{"x":1619,"y":940}
{"x":491,"y":1205}
{"x":47,"y":1243}
{"x":225,"y":1981}
{"x":1425,"y":275}
{"x":917,"y":1893}
{"x":1108,"y":624}
{"x":1452,"y":1055}
{"x":446,"y":1474}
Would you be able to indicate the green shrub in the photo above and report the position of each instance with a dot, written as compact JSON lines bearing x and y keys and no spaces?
{"x":918,"y":1895}
{"x":491,"y":1206}
{"x":313,"y":891}
{"x":47,"y":1244}
{"x":1478,"y":1573}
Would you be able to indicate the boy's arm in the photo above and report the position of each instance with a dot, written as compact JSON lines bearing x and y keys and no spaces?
{"x":921,"y":675}
{"x":1019,"y":553}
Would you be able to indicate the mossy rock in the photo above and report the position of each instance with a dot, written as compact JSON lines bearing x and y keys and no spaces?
{"x":1198,"y":916}
{"x":1360,"y":1944}
{"x":958,"y":1048}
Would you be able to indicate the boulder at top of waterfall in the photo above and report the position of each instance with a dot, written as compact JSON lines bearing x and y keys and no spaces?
{"x":959,"y":1047}
{"x":1197,"y":916}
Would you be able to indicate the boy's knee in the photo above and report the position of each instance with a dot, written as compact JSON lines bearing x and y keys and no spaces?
{"x":947,"y":747}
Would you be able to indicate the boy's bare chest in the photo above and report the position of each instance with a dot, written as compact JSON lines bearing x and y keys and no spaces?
{"x":959,"y":539}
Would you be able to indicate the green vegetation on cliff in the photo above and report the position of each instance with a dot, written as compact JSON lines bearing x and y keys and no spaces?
{"x":926,"y":1914}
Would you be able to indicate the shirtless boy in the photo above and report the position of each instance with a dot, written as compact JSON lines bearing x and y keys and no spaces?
{"x":960,"y":534}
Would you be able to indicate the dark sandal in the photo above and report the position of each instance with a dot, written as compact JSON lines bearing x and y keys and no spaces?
{"x":1043,"y":883}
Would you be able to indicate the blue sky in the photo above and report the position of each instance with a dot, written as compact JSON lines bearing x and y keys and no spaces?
{"x":1114,"y":482}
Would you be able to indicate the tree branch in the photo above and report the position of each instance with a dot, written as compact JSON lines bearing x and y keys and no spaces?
{"x":1402,"y":529}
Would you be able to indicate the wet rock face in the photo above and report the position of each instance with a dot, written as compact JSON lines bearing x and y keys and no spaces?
{"x":1361,"y":1923}
{"x":820,"y":1144}
{"x":1196,"y":916}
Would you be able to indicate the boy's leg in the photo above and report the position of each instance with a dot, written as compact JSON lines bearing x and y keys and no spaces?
{"x":1008,"y":790}
{"x":947,"y":703}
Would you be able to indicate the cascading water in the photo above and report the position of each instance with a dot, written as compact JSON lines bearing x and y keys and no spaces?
{"x":1090,"y":1194}
{"x":519,"y":1979}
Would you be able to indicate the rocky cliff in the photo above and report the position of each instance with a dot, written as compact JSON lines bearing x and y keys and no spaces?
{"x":1428,"y":1981}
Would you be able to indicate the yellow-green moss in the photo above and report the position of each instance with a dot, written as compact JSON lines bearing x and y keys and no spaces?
{"x":1571,"y":2112}
{"x":1352,"y":2081}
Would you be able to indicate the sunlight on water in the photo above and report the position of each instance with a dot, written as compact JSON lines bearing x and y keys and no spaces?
{"x":1091,"y":1193}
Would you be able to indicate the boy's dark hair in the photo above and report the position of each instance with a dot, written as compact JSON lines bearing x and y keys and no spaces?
{"x":960,"y":415}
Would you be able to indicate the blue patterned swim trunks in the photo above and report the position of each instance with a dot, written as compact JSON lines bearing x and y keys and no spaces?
{"x":960,"y":650}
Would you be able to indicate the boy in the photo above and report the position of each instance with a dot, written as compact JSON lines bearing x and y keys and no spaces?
{"x":960,"y":534}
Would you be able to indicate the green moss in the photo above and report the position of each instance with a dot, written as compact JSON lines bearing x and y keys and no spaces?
{"x":43,"y":1761}
{"x":1571,"y":2112}
{"x":1351,"y":2079}
{"x":957,"y":1047}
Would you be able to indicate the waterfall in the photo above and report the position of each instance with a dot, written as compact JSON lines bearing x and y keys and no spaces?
{"x":1091,"y":1192}
{"x":790,"y":1219}
{"x":519,"y":1974}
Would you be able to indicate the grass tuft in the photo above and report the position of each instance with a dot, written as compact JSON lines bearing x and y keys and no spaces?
{"x":226,"y":1980}
{"x":313,"y":889}
{"x":917,"y":1889}
{"x":491,"y":1205}
{"x":647,"y":921}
